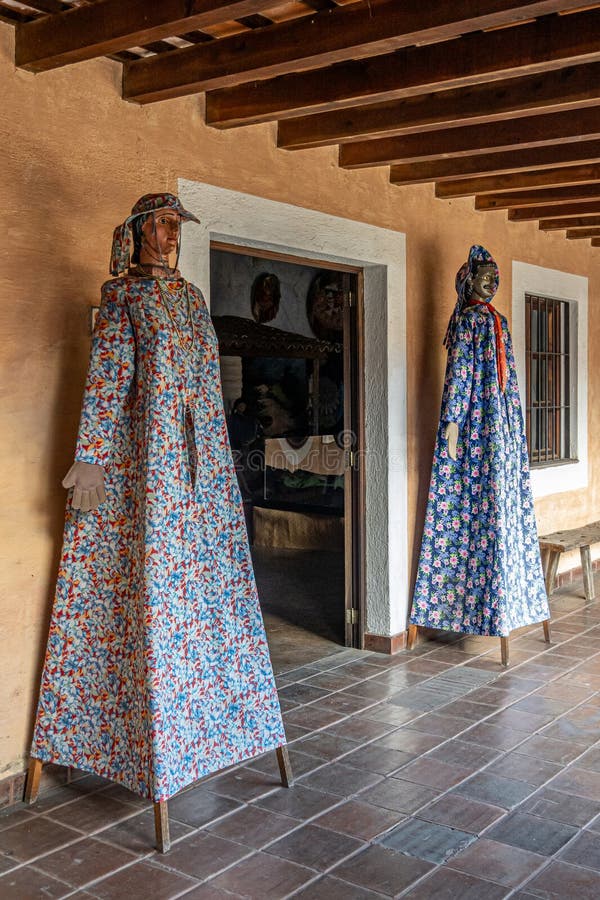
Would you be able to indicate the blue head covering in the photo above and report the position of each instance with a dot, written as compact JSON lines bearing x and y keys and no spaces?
{"x":478,"y":256}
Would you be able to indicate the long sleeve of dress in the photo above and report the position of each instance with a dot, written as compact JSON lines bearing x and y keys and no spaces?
{"x":459,"y":375}
{"x":110,"y":372}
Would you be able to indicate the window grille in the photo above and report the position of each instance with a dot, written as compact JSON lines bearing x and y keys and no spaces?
{"x":548,"y":391}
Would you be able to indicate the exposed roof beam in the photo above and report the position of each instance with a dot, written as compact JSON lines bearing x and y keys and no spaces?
{"x":495,"y":163}
{"x":550,"y":43}
{"x":108,"y":26}
{"x":577,"y":234}
{"x":574,"y":222}
{"x":322,"y":39}
{"x":535,"y":198}
{"x":515,"y":181}
{"x":552,"y":210}
{"x":535,"y":131}
{"x":544,"y":92}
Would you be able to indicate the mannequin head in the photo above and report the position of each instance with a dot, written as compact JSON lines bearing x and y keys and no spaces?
{"x":159,"y":237}
{"x":150,"y":233}
{"x":482,"y":283}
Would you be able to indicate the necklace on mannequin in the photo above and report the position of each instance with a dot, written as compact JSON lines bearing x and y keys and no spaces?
{"x":186,"y":344}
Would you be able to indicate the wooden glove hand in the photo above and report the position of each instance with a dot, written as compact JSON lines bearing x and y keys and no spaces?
{"x":451,"y":435}
{"x":87,"y":481}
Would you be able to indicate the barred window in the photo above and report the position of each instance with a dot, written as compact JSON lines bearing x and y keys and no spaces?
{"x":549,"y":409}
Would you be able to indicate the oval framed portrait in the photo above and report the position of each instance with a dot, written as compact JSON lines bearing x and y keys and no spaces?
{"x":266,"y":295}
{"x":325,"y":305}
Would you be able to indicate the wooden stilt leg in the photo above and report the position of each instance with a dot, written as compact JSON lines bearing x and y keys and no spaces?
{"x":161,"y":826}
{"x":412,"y":637}
{"x":32,"y":785}
{"x":588,"y":575}
{"x":504,"y":650}
{"x":285,"y":766}
{"x":547,"y":635}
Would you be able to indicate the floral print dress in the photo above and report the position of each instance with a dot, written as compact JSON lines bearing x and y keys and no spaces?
{"x":479,"y":569}
{"x":157,"y":668}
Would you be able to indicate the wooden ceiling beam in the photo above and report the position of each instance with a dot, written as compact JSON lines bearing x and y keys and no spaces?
{"x":535,"y":131}
{"x":552,"y":210}
{"x":102,"y":28}
{"x":325,"y":38}
{"x":575,"y":222}
{"x":568,"y":88}
{"x":549,"y":43}
{"x":460,"y":167}
{"x":577,"y":234}
{"x":513,"y":199}
{"x":518,"y":181}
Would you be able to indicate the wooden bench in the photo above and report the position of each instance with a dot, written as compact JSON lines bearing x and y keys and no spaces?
{"x":552,"y":545}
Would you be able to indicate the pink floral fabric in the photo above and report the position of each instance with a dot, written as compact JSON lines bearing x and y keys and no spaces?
{"x":157,"y":669}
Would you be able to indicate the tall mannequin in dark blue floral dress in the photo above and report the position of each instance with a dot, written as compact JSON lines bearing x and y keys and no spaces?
{"x":479,"y":569}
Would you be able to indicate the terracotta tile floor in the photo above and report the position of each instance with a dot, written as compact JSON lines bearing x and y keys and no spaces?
{"x":434,"y":774}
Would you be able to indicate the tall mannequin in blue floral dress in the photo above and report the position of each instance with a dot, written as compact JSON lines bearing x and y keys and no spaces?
{"x":479,"y":569}
{"x":157,"y":669}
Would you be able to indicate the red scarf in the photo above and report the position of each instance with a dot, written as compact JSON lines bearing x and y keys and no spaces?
{"x":500,"y":347}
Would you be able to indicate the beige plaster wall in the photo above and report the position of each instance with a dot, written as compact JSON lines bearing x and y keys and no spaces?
{"x":75,"y":158}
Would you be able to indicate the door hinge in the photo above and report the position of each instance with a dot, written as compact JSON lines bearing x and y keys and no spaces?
{"x":352,"y":616}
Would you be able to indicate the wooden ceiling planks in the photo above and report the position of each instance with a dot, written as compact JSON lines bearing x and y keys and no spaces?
{"x":518,"y":181}
{"x":553,"y":210}
{"x":574,"y":222}
{"x":495,"y":163}
{"x":546,"y":44}
{"x":535,"y":131}
{"x":578,"y":234}
{"x":322,"y":40}
{"x":86,"y":32}
{"x":568,"y":88}
{"x":486,"y":98}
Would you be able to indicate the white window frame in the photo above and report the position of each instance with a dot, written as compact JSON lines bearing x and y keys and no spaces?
{"x":540,"y":281}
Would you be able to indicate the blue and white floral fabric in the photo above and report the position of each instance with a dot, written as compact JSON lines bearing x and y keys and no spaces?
{"x":479,"y":570}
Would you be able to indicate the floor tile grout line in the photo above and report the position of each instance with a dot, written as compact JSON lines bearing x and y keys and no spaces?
{"x":559,"y":673}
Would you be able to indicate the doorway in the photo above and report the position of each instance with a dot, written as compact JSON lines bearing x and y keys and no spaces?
{"x":291,"y":358}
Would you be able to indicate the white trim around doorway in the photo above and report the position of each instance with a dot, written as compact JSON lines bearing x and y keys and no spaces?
{"x":257,"y":223}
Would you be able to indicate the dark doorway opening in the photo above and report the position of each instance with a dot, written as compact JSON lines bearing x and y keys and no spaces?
{"x":290,"y":367}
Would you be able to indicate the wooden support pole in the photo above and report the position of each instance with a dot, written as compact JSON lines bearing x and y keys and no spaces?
{"x":412,"y":636}
{"x":32,"y":785}
{"x":504,"y":651}
{"x":161,"y":826}
{"x":285,"y":766}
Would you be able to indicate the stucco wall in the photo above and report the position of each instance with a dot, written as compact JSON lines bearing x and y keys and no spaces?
{"x":75,"y":157}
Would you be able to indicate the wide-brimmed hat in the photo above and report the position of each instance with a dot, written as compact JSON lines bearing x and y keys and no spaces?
{"x":122,"y":245}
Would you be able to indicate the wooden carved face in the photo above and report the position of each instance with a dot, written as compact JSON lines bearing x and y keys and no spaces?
{"x":160,"y":234}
